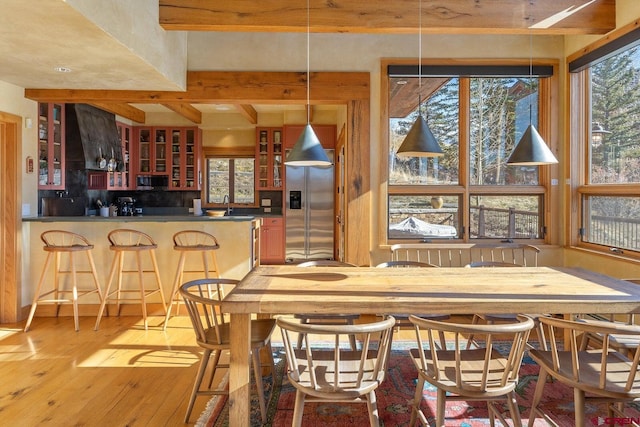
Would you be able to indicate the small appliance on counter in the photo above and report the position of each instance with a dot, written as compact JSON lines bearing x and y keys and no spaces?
{"x":126,"y":206}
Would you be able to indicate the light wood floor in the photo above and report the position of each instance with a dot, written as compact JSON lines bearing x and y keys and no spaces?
{"x":120,"y":375}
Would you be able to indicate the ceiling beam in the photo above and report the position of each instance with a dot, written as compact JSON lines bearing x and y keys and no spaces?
{"x":392,"y":17}
{"x":248,"y":112}
{"x":225,"y":87}
{"x":122,"y":110}
{"x":187,"y":111}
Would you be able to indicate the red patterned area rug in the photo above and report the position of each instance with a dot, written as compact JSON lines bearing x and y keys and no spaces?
{"x":393,"y":403}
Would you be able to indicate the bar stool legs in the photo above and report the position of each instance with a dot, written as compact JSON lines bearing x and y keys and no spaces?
{"x":56,"y":243}
{"x":192,"y":241}
{"x":122,"y":241}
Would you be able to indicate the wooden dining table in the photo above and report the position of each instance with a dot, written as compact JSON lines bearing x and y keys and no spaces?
{"x":286,"y":289}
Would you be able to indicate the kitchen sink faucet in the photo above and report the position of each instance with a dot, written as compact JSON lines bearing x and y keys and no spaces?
{"x":226,"y":201}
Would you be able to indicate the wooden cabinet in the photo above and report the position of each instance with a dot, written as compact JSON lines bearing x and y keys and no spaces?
{"x":51,"y":141}
{"x":185,"y":164}
{"x":170,"y":151}
{"x":272,"y":249}
{"x":270,"y":170}
{"x":151,"y":150}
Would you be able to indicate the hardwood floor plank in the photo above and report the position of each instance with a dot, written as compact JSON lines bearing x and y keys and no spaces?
{"x":120,"y":375}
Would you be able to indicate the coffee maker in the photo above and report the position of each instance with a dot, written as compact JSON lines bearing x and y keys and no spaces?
{"x":125,"y":206}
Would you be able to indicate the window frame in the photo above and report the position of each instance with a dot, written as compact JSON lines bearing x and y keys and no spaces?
{"x":230,"y":153}
{"x":547,"y":127}
{"x":579,"y":107}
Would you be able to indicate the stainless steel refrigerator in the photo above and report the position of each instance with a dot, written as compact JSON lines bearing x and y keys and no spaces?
{"x":309,"y":212}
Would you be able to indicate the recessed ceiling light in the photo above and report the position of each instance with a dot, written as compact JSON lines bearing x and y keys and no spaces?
{"x":401,"y":82}
{"x":62,"y":69}
{"x":221,"y":107}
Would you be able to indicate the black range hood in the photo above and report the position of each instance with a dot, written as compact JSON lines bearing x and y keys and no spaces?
{"x":91,"y":136}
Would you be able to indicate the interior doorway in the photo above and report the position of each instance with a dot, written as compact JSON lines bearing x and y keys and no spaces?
{"x":10,"y":188}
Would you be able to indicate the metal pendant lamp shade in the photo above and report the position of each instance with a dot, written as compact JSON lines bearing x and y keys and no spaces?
{"x":531,"y":150}
{"x":308,"y":150}
{"x":420,"y":142}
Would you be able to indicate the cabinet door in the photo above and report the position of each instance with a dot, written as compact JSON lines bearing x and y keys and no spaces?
{"x":269,"y":157}
{"x":184,"y":158}
{"x":144,"y":150}
{"x":272,"y":241}
{"x":123,"y":176}
{"x":51,"y":142}
{"x":159,"y":142}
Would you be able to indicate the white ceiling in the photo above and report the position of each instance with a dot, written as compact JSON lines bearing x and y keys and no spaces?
{"x":39,"y":36}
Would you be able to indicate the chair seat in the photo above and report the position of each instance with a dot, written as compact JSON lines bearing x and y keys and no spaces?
{"x":474,"y":360}
{"x":590,"y":363}
{"x":350,"y":388}
{"x":261,"y":330}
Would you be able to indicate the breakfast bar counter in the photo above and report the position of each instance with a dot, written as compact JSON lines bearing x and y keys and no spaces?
{"x":237,"y":236}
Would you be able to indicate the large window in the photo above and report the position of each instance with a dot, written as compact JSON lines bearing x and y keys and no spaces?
{"x":477,"y":114}
{"x":230,"y":176}
{"x":609,"y":192}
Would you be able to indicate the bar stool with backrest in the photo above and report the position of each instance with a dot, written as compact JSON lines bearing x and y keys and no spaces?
{"x":56,"y":243}
{"x":192,"y":242}
{"x":123,"y":241}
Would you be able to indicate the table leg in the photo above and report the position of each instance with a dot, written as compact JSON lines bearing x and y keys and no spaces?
{"x":240,"y":363}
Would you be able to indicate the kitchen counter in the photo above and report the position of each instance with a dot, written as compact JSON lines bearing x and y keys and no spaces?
{"x":238,"y":237}
{"x":143,"y":218}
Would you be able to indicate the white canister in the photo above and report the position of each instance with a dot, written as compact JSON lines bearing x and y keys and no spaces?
{"x":104,"y":211}
{"x":197,"y":207}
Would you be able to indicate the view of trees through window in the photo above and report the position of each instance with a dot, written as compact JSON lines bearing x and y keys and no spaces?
{"x":233,"y":177}
{"x":500,"y":110}
{"x":614,"y":154}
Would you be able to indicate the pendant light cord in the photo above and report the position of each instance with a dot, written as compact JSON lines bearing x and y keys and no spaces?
{"x":530,"y":76}
{"x":308,"y":82}
{"x":420,"y":58}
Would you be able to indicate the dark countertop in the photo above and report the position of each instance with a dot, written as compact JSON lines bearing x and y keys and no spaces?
{"x":142,"y":218}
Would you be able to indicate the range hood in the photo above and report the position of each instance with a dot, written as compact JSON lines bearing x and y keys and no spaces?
{"x":91,"y":136}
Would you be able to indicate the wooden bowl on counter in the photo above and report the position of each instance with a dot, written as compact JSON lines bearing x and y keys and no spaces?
{"x":215,"y":213}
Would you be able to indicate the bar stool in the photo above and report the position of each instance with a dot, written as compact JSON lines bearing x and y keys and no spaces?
{"x":122,"y":241}
{"x":192,"y":241}
{"x":56,"y":243}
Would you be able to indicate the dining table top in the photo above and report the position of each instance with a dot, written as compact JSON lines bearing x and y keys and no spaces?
{"x":457,"y":290}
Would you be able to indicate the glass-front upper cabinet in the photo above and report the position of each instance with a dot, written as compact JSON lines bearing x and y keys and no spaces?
{"x":51,"y":143}
{"x":269,"y":155}
{"x":185,"y":165}
{"x":152,"y":150}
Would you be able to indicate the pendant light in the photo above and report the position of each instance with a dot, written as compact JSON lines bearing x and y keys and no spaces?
{"x":307,"y":150}
{"x":531,"y":150}
{"x":420,"y":142}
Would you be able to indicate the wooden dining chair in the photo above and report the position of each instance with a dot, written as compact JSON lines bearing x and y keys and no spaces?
{"x":482,"y":373}
{"x":328,"y":319}
{"x":329,"y":371}
{"x":402,"y":318}
{"x":623,"y":343}
{"x":603,"y":374}
{"x":202,"y":298}
{"x":504,"y":317}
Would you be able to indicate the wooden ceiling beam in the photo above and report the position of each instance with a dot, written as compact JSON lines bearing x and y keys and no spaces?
{"x":224,"y":87}
{"x":248,"y":112}
{"x":187,"y":111}
{"x":122,"y":110}
{"x":392,"y":17}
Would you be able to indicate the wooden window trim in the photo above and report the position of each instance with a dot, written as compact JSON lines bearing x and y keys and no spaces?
{"x":547,"y":127}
